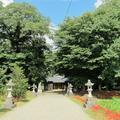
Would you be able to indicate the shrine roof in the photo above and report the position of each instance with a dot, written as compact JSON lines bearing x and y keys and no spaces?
{"x":57,"y":79}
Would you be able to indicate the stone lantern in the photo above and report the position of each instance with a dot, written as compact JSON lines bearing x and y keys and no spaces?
{"x":89,"y":85}
{"x":89,"y":102}
{"x":9,"y":104}
{"x":39,"y":88}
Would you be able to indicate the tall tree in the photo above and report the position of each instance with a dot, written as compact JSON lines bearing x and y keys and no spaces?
{"x":83,"y":44}
{"x":23,"y":28}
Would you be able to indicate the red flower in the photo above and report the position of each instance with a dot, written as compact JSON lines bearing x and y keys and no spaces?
{"x":110,"y":115}
{"x":96,"y":108}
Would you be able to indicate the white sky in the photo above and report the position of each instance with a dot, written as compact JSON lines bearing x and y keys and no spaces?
{"x":6,"y":2}
{"x":98,"y":3}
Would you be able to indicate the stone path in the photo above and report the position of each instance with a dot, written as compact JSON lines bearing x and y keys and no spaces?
{"x":48,"y":107}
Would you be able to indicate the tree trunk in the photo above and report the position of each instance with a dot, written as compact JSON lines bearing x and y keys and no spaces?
{"x":99,"y":87}
{"x":83,"y":88}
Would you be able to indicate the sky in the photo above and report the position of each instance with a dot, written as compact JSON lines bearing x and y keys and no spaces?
{"x":56,"y":10}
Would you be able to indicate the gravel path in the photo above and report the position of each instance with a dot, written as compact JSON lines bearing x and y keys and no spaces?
{"x":48,"y":107}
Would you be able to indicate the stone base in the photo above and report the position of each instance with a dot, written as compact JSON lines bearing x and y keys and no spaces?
{"x":89,"y":102}
{"x":9,"y":104}
{"x":34,"y":93}
{"x":39,"y":92}
{"x":69,"y":93}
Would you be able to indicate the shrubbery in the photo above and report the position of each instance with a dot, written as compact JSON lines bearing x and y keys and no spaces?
{"x":20,"y":82}
{"x":2,"y":86}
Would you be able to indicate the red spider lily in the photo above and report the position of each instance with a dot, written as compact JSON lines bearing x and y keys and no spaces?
{"x":110,"y":115}
{"x":113,"y":116}
{"x":96,"y":108}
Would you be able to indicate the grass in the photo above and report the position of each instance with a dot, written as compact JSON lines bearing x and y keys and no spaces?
{"x":93,"y":115}
{"x":2,"y":110}
{"x":28,"y":98}
{"x":111,"y":104}
{"x":105,"y":109}
{"x":96,"y":115}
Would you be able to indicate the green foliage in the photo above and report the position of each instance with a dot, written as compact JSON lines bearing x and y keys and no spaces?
{"x":20,"y":23}
{"x":22,"y":30}
{"x":20,"y":82}
{"x":2,"y":79}
{"x":1,"y":5}
{"x":112,"y":104}
{"x":88,"y":46}
{"x":50,"y":61}
{"x":35,"y":60}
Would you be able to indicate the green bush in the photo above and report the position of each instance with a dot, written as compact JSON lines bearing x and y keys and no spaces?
{"x":20,"y":82}
{"x":2,"y":80}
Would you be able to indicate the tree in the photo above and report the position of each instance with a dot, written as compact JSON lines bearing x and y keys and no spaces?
{"x":83,"y":43}
{"x":1,"y":5}
{"x":20,"y":82}
{"x":23,"y":28}
{"x":50,"y":61}
{"x":2,"y":81}
{"x":20,"y":22}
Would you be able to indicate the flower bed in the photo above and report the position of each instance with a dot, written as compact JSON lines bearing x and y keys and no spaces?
{"x":109,"y":114}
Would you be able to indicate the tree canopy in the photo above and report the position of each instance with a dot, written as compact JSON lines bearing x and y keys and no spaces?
{"x":88,"y":46}
{"x":22,"y":41}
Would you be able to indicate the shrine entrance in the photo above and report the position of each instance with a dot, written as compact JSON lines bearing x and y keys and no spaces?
{"x":56,"y":82}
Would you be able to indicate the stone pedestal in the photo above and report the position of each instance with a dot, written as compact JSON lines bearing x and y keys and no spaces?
{"x":9,"y":104}
{"x":33,"y":91}
{"x":89,"y":102}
